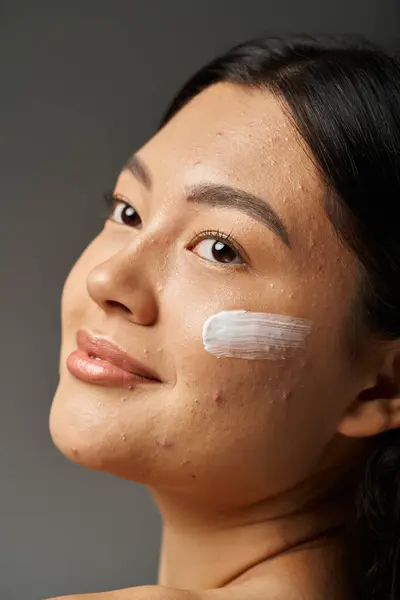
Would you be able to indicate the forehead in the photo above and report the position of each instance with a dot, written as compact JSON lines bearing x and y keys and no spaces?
{"x":243,"y":137}
{"x":244,"y":133}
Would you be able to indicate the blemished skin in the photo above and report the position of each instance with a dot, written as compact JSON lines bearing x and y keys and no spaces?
{"x":248,"y":460}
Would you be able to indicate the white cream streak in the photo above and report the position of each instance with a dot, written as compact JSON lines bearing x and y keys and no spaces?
{"x":250,"y":335}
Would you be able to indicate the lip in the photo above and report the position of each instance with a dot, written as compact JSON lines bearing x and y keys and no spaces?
{"x":112,"y":365}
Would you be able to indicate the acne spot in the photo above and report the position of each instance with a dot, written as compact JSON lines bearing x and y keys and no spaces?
{"x":123,"y":436}
{"x":124,"y":399}
{"x":145,"y":351}
{"x":165,"y":443}
{"x":272,"y":139}
{"x":74,"y":451}
{"x":287,"y":395}
{"x":194,"y":476}
{"x":218,"y":397}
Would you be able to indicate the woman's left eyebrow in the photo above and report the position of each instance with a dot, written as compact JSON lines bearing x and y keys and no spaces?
{"x":219,"y":195}
{"x":226,"y":196}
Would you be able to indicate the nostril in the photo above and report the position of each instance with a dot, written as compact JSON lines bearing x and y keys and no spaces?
{"x":115,"y":304}
{"x":140,"y":309}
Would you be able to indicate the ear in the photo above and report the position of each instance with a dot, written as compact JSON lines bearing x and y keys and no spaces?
{"x":377,"y":406}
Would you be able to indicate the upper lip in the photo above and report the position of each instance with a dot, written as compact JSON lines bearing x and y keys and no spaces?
{"x":106,"y":349}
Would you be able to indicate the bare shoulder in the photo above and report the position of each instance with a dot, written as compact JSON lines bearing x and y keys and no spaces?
{"x":251,"y":590}
{"x":146,"y":592}
{"x":254,"y":589}
{"x":288,"y":583}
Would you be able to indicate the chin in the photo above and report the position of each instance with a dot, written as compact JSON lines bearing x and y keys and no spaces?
{"x":93,"y":438}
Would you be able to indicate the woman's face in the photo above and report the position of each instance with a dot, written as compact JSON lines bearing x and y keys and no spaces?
{"x":228,"y":430}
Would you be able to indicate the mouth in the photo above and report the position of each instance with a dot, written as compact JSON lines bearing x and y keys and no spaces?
{"x":101,"y":361}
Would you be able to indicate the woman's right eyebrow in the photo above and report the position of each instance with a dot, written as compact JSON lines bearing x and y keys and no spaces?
{"x":219,"y":195}
{"x":139,"y":170}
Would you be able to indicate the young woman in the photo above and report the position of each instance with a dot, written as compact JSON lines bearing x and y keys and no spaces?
{"x":231,"y":338}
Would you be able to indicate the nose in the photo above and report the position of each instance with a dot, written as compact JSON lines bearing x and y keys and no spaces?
{"x":121,"y":285}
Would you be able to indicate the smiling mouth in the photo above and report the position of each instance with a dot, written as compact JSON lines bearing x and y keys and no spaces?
{"x":138,"y":374}
{"x":95,"y":370}
{"x":99,"y":360}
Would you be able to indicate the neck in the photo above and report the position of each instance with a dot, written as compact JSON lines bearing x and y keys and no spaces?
{"x":211,"y":548}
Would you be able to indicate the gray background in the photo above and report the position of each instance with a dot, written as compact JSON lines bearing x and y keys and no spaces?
{"x":83,"y":84}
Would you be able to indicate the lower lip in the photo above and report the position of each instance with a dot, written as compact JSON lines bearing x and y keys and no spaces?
{"x":101,"y":372}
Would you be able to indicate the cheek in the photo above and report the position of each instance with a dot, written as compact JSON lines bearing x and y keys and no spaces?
{"x":259,"y":412}
{"x":222,"y":400}
{"x":229,"y":416}
{"x":186,"y":306}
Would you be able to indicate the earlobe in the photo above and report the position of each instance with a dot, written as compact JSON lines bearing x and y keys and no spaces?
{"x":368,"y":418}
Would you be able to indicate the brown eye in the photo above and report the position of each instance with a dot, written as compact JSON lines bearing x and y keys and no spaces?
{"x":124,"y":213}
{"x":217,"y":251}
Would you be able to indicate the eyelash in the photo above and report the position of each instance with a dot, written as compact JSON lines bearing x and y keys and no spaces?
{"x":110,"y":198}
{"x":219,"y":236}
